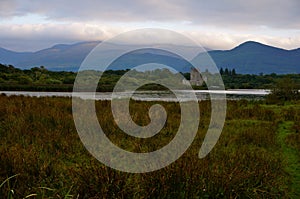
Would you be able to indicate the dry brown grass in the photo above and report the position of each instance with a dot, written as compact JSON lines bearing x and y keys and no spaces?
{"x":39,"y":142}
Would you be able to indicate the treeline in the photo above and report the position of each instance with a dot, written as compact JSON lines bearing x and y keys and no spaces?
{"x":233,"y":80}
{"x":227,"y":72}
{"x":35,"y":79}
{"x":41,"y":79}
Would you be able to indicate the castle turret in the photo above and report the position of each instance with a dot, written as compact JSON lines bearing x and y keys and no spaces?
{"x":196,"y":78}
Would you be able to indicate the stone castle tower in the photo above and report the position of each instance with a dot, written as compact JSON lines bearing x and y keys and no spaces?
{"x":195,"y":77}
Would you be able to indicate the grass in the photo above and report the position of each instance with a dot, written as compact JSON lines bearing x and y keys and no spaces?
{"x":39,"y":142}
{"x":292,"y":158}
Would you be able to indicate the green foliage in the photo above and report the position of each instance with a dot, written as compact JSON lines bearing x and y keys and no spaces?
{"x":285,"y":89}
{"x":40,"y":79}
{"x":24,"y":79}
{"x":290,"y":142}
{"x":35,"y":79}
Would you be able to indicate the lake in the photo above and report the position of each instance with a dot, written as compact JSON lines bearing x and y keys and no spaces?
{"x":152,"y":95}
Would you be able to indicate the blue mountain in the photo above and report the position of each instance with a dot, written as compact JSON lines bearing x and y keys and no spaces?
{"x":59,"y":57}
{"x":254,"y":58}
{"x":247,"y":58}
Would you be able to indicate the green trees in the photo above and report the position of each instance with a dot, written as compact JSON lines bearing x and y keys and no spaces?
{"x":221,"y":71}
{"x":228,"y":72}
{"x":35,"y":79}
{"x":285,"y":89}
{"x":23,"y":79}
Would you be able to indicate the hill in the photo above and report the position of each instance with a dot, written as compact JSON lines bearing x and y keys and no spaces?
{"x":254,"y":58}
{"x":59,"y":57}
{"x":247,"y":58}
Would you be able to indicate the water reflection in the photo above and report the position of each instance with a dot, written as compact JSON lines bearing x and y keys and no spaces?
{"x":150,"y":95}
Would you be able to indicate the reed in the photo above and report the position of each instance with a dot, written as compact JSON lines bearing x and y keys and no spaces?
{"x":41,"y":155}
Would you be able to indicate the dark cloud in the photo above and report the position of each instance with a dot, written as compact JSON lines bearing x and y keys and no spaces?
{"x":31,"y":37}
{"x":276,"y":14}
{"x":8,"y":8}
{"x":215,"y":23}
{"x":231,"y":13}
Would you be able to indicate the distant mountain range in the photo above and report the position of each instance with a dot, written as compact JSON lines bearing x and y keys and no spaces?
{"x":254,"y":58}
{"x":59,"y":57}
{"x":247,"y":58}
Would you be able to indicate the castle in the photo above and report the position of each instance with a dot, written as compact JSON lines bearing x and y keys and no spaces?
{"x":195,"y":77}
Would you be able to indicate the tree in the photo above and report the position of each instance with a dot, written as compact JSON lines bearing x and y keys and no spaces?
{"x":23,"y":79}
{"x":226,"y":72}
{"x":221,"y":71}
{"x":233,"y":73}
{"x":285,"y":89}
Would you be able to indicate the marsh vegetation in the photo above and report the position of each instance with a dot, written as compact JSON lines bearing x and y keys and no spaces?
{"x":41,"y":155}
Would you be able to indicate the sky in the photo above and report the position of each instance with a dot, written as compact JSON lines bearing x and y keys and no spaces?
{"x":30,"y":25}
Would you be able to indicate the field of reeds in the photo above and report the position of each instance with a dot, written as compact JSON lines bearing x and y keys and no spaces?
{"x":41,"y":155}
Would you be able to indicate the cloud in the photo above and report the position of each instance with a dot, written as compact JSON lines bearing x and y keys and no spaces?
{"x":230,"y":13}
{"x":31,"y":37}
{"x":8,"y":8}
{"x":216,"y":24}
{"x":225,"y":41}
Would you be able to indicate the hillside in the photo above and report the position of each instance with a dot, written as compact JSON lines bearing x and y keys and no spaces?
{"x":254,"y":58}
{"x":59,"y":57}
{"x":247,"y":58}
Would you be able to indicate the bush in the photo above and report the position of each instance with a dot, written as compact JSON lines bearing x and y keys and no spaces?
{"x":285,"y":89}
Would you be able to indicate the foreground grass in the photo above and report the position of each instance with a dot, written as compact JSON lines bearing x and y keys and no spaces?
{"x":41,"y":155}
{"x":291,"y":155}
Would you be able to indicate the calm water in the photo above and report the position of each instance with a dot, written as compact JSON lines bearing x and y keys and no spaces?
{"x":152,"y":95}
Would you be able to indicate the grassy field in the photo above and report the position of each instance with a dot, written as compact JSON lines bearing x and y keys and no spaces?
{"x":41,"y":155}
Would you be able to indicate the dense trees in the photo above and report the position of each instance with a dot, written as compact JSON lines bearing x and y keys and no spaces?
{"x":40,"y":79}
{"x":232,"y":80}
{"x":35,"y":79}
{"x":227,"y":72}
{"x":285,"y":89}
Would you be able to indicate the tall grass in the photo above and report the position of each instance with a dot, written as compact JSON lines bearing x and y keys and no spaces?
{"x":39,"y":142}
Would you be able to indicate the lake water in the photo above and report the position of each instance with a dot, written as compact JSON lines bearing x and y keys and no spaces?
{"x":152,"y":95}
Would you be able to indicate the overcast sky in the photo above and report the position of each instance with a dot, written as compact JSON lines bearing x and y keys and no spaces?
{"x":29,"y":25}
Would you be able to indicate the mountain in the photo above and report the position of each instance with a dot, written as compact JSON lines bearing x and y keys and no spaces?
{"x":156,"y":57}
{"x":69,"y":57}
{"x":247,"y":58}
{"x":254,"y":58}
{"x":9,"y":57}
{"x":58,"y":57}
